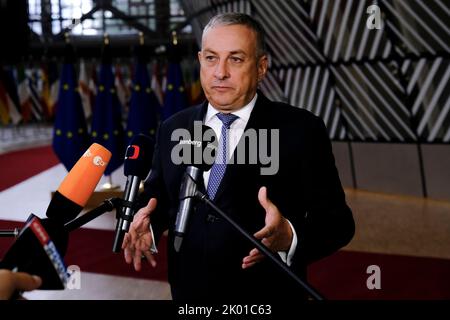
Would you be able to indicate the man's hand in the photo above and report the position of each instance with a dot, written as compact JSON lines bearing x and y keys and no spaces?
{"x":16,"y":281}
{"x":276,"y":234}
{"x":138,"y":241}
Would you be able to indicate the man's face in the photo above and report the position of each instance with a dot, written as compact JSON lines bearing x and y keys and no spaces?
{"x":229,"y":68}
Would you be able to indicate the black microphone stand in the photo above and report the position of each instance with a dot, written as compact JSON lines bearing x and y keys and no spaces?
{"x":107,"y":206}
{"x":262,"y":248}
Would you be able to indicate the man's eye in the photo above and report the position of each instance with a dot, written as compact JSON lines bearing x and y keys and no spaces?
{"x":236,"y":59}
{"x":210,"y":58}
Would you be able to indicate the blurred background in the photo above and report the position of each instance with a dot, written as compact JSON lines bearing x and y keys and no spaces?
{"x":376,"y":72}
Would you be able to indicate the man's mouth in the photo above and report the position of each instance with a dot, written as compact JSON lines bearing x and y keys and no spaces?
{"x":221,"y":88}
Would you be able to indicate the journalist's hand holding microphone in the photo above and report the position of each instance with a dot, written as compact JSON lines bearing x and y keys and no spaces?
{"x":11,"y":282}
{"x":138,"y":241}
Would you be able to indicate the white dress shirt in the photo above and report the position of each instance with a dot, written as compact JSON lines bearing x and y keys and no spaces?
{"x":236,"y":130}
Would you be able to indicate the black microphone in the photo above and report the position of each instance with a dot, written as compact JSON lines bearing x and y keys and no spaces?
{"x":201,"y":154}
{"x":138,"y":161}
{"x":38,"y":250}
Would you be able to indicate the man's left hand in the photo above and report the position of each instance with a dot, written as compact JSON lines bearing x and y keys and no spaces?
{"x":276,"y":234}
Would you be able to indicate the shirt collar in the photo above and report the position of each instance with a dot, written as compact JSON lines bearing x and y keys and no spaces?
{"x":243,"y":113}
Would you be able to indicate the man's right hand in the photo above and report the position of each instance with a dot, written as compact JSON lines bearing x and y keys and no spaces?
{"x":138,"y":241}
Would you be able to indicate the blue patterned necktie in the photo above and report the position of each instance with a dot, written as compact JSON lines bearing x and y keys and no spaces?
{"x":219,"y":166}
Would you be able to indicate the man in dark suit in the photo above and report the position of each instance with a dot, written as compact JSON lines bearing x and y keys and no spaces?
{"x":297,"y":208}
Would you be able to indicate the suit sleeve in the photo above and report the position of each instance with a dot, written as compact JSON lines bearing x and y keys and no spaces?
{"x":328,"y":224}
{"x":154,"y":188}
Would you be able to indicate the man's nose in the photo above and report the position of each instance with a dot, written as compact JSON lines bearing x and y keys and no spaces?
{"x":221,"y":71}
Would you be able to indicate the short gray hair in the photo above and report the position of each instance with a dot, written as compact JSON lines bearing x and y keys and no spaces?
{"x":234,"y":18}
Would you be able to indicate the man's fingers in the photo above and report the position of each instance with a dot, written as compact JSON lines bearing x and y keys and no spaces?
{"x":150,"y":258}
{"x":248,"y":265}
{"x":126,"y":240}
{"x":262,"y":197}
{"x":144,"y":245}
{"x":141,"y":220}
{"x":251,"y":261}
{"x":137,"y":259}
{"x":134,"y":242}
{"x":133,"y":236}
{"x":126,"y":250}
{"x":151,"y":205}
{"x":16,"y":281}
{"x":26,"y":282}
{"x":264,"y":233}
{"x":128,"y":255}
{"x":266,"y":242}
{"x":254,"y":257}
{"x":148,"y":209}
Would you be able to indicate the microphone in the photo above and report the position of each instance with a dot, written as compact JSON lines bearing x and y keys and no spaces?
{"x":201,"y":154}
{"x":38,"y":250}
{"x":42,"y":243}
{"x":138,"y":161}
{"x":79,"y":184}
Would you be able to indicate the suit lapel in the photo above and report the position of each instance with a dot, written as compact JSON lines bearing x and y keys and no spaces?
{"x":197,"y":114}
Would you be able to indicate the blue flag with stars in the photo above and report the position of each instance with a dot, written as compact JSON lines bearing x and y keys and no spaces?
{"x":175,"y":98}
{"x":107,"y":128}
{"x":70,"y":137}
{"x":142,"y":115}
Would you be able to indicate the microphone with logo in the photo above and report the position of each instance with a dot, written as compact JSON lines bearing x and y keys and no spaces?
{"x":201,"y":155}
{"x":42,"y":243}
{"x":79,"y":184}
{"x":138,"y":161}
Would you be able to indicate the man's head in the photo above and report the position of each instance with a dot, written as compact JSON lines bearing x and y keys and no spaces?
{"x":233,"y":60}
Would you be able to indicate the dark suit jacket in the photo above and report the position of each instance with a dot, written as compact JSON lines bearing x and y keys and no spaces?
{"x":306,"y":189}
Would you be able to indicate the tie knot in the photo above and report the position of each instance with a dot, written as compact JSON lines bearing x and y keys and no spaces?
{"x":227,"y":119}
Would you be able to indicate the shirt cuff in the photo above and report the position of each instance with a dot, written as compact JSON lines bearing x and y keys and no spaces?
{"x":286,"y":257}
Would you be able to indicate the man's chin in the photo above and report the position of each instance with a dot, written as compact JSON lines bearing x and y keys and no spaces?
{"x":223,"y":106}
{"x":222,"y":103}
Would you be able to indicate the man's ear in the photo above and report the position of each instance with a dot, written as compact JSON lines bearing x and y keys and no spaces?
{"x":263,"y":64}
{"x":199,"y":55}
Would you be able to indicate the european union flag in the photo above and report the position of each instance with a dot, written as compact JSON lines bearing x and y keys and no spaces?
{"x":175,"y":98}
{"x":107,"y":128}
{"x":70,"y":138}
{"x":142,"y":115}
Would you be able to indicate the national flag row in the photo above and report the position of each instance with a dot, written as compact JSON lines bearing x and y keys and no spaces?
{"x":27,"y":94}
{"x":30,"y":94}
{"x":102,"y":101}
